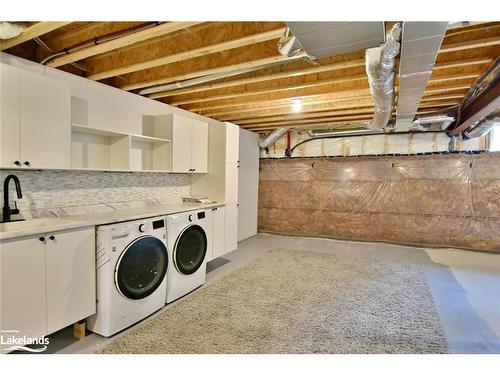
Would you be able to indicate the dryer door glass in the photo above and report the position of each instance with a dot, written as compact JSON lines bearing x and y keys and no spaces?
{"x":190,"y":250}
{"x":141,"y":267}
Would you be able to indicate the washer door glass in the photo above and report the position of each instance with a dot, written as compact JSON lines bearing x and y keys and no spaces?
{"x":141,"y":267}
{"x":190,"y":250}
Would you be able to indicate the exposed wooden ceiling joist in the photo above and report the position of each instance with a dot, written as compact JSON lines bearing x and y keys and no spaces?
{"x":363,"y":113}
{"x":273,"y":90}
{"x":206,"y":50}
{"x":485,"y":42}
{"x":31,"y":32}
{"x":299,"y":91}
{"x":269,"y":77}
{"x":127,"y":40}
{"x":303,"y":71}
{"x":310,"y":103}
{"x":222,"y":69}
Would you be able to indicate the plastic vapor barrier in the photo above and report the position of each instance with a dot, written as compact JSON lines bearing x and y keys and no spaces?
{"x":435,"y":200}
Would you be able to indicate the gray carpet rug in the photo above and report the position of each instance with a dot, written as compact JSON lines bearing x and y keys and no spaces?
{"x":291,"y":301}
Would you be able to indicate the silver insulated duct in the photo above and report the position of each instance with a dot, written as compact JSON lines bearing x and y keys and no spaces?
{"x":484,"y":127}
{"x":380,"y":62}
{"x":271,"y":138}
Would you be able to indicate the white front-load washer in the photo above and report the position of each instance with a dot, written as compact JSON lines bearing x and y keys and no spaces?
{"x":189,"y":240}
{"x":131,"y":264}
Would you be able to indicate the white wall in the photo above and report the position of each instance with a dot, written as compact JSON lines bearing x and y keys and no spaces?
{"x":248,"y":184}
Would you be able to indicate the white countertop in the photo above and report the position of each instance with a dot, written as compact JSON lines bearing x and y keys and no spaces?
{"x":53,"y":224}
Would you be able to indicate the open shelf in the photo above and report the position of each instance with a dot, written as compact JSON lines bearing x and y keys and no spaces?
{"x":149,"y":156}
{"x":104,"y":150}
{"x":98,"y":149}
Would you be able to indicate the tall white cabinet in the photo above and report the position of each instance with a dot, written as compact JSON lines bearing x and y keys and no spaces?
{"x":35,"y":120}
{"x":221,"y":184}
{"x":231,"y":186}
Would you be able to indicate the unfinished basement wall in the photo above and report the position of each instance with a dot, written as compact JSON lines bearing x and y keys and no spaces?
{"x":406,"y":144}
{"x":430,"y":200}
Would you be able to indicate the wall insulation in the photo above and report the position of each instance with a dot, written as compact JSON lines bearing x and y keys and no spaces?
{"x":372,"y":145}
{"x":433,"y":200}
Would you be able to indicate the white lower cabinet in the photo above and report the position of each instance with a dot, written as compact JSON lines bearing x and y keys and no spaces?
{"x":70,"y":279}
{"x":22,"y":287}
{"x":231,"y":227}
{"x":218,"y":247}
{"x":47,"y":282}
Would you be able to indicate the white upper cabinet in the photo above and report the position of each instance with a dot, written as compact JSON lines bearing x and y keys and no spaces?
{"x":45,"y":108}
{"x":199,"y":146}
{"x":232,"y":143}
{"x":35,"y":120}
{"x":189,"y":143}
{"x":9,"y":116}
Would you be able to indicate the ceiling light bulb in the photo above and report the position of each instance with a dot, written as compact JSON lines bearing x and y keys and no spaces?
{"x":297,"y":106}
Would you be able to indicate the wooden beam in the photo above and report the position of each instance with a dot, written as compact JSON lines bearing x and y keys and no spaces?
{"x":284,"y":105}
{"x":298,"y":72}
{"x":300,"y":116}
{"x":478,"y":43}
{"x":439,"y":97}
{"x":206,"y":50}
{"x":459,"y":63}
{"x":312,"y":121}
{"x":274,"y":89}
{"x":127,"y":40}
{"x":361,"y":114}
{"x":31,"y":32}
{"x":211,"y":107}
{"x":304,"y":115}
{"x":316,"y":108}
{"x":205,"y":72}
{"x":268,"y":77}
{"x":479,"y":107}
{"x":351,"y":95}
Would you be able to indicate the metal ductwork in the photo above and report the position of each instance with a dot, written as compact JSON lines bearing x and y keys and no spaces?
{"x":289,"y":45}
{"x":380,"y":62}
{"x":321,"y":39}
{"x":484,"y":127}
{"x":271,"y":138}
{"x":442,"y":122}
{"x":420,"y":43}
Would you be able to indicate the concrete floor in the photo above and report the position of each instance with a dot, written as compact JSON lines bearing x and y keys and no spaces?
{"x":466,"y":292}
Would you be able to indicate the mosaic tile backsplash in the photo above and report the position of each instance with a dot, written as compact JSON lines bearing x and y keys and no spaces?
{"x":61,"y":193}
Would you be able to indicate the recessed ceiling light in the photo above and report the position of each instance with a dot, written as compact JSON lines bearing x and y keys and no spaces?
{"x":297,"y":106}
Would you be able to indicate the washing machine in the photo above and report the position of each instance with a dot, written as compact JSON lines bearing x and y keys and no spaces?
{"x":131,"y":266}
{"x":189,"y":240}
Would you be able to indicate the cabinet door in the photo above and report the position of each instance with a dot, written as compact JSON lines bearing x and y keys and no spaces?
{"x":45,"y":112}
{"x":219,"y":247}
{"x":232,"y":143}
{"x":231,"y":184}
{"x":9,"y":116}
{"x":70,"y":264}
{"x":199,"y":146}
{"x":22,"y":287}
{"x":181,"y":144}
{"x":231,"y":227}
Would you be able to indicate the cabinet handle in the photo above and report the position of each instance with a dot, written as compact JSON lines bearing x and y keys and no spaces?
{"x":17,"y":162}
{"x":52,"y":238}
{"x":27,"y":163}
{"x":42,"y":239}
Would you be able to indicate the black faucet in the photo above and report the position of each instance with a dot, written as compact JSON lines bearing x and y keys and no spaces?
{"x":7,"y":211}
